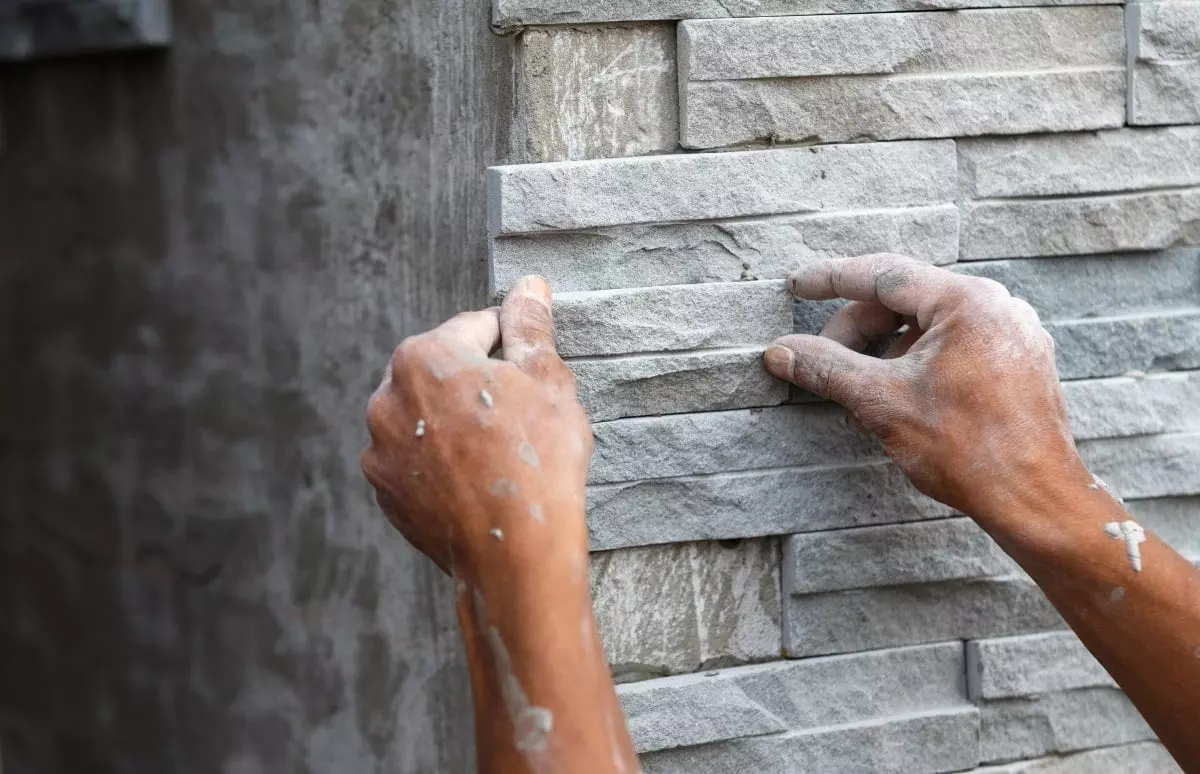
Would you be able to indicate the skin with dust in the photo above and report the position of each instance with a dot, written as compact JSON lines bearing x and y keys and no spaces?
{"x":529,"y":454}
{"x":502,"y":487}
{"x":1099,"y":485}
{"x":537,"y":514}
{"x":1133,"y":535}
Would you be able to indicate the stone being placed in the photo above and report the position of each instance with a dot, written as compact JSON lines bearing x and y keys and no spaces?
{"x":755,"y":700}
{"x":1164,"y":62}
{"x":1032,"y":664}
{"x":929,"y":743}
{"x":1055,"y":723}
{"x":1071,"y":194}
{"x":1140,"y":758}
{"x":854,"y":77}
{"x":665,"y":610}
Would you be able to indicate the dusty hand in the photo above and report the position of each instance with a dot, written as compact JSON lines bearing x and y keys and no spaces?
{"x":966,"y":402}
{"x":476,"y":459}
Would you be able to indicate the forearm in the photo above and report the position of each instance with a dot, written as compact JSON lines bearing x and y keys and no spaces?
{"x":1143,"y":626}
{"x":544,"y":698}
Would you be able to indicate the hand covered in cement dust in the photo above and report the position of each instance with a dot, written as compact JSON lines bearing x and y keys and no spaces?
{"x":471,"y":455}
{"x":967,"y":400}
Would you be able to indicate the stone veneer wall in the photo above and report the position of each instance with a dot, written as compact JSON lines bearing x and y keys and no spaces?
{"x":774,"y":595}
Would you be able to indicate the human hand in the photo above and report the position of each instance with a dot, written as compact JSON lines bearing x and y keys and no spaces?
{"x":476,"y":459}
{"x":967,"y":401}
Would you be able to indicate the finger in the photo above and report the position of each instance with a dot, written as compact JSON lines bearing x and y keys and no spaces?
{"x":901,"y":284}
{"x":471,"y":332}
{"x":858,"y":322}
{"x":825,"y":367}
{"x":527,"y":331}
{"x":902,"y":345}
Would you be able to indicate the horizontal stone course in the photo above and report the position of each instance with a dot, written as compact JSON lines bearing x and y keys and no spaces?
{"x":929,"y":743}
{"x":1108,"y":346}
{"x":1133,"y":405}
{"x":1028,"y":665}
{"x":1164,"y":70}
{"x":891,"y":555}
{"x":671,"y":318}
{"x":577,"y":195}
{"x":749,"y":701}
{"x":1056,"y":723}
{"x":1140,"y":758}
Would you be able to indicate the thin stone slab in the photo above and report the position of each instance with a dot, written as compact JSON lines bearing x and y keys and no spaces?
{"x":516,"y":13}
{"x":754,"y":700}
{"x":867,"y":619}
{"x":722,"y":251}
{"x":35,"y":29}
{"x":1029,"y":665}
{"x":1164,"y":70}
{"x":942,"y":741}
{"x":1175,"y":520}
{"x":1110,"y":346}
{"x":1148,"y":467}
{"x":1140,"y":758}
{"x":673,"y":383}
{"x":579,"y":195}
{"x":1055,"y":723}
{"x":1133,"y":405}
{"x":671,"y":318}
{"x":891,"y":555}
{"x":666,"y":610}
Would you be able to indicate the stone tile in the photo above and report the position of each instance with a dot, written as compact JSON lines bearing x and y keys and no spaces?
{"x":1148,"y":467}
{"x":1109,"y":346}
{"x":597,"y":92}
{"x":1133,"y":405}
{"x":1028,"y":665}
{"x":1164,"y":70}
{"x":679,"y":608}
{"x":1141,"y":758}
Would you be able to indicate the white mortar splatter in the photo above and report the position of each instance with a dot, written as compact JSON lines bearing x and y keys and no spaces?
{"x":420,"y":428}
{"x":529,"y":454}
{"x":1117,"y":594}
{"x":1098,"y":484}
{"x":486,"y":397}
{"x":1133,"y":535}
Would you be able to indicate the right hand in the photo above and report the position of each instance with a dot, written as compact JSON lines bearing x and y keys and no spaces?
{"x":967,"y":401}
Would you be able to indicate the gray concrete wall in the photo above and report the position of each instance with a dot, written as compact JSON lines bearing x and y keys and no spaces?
{"x":206,"y":256}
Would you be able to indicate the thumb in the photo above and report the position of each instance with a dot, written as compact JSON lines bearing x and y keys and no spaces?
{"x":827,"y":368}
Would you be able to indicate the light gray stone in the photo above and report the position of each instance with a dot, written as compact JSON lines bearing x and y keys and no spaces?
{"x":598,"y":92}
{"x":1164,"y":69}
{"x":769,"y":698}
{"x":1108,"y":346}
{"x":1017,"y":228}
{"x":671,"y":318}
{"x":941,"y":741}
{"x":1099,"y":286}
{"x":1147,"y":467}
{"x":576,"y":195}
{"x":1032,"y":664}
{"x":877,"y":44}
{"x":763,"y":502}
{"x":1140,"y":758}
{"x":1133,"y":405}
{"x":685,"y":253}
{"x":1074,"y":164}
{"x":866,"y":619}
{"x":1175,"y":520}
{"x":673,"y":609}
{"x":727,"y":441}
{"x":891,"y":555}
{"x":645,"y":385}
{"x":516,"y":13}
{"x":32,"y":29}
{"x":1015,"y":729}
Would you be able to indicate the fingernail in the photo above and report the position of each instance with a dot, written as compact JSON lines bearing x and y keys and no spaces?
{"x":779,"y":360}
{"x":534,"y":286}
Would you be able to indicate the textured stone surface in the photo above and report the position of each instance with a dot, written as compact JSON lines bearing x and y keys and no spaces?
{"x":928,"y":743}
{"x":727,"y":441}
{"x":643,"y":385}
{"x":511,"y":13}
{"x":684,"y":253}
{"x":578,"y":195}
{"x":31,"y":29}
{"x":891,"y":555}
{"x":1164,"y":76}
{"x":697,"y":709}
{"x":1016,"y":729}
{"x":890,"y":76}
{"x":768,"y":502}
{"x":598,"y":92}
{"x":866,"y":619}
{"x":1147,"y":467}
{"x":1032,"y":664}
{"x":1099,"y":286}
{"x":1175,"y":520}
{"x":1126,"y":406}
{"x":665,"y":610}
{"x":675,"y":317}
{"x":1109,"y":346}
{"x":1084,"y":163}
{"x":1140,"y":758}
